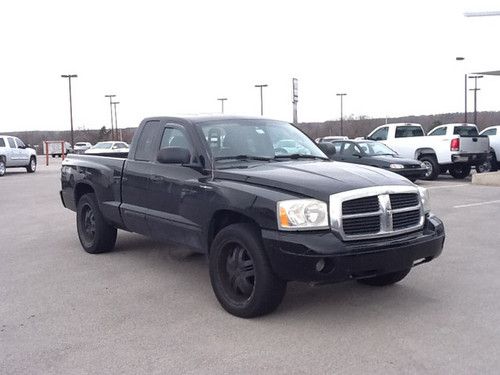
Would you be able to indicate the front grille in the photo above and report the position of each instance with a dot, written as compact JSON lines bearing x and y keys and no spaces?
{"x":361,"y":205}
{"x":403,"y":200}
{"x":361,"y":225}
{"x":406,"y":219}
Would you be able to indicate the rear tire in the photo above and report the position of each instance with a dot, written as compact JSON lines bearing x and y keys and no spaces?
{"x":241,"y":275}
{"x":387,"y":279}
{"x":31,"y":167}
{"x":96,"y":236}
{"x":460,"y":171}
{"x":432,"y":167}
{"x":2,"y":167}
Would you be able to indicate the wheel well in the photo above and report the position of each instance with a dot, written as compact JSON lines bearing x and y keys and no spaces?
{"x":224,"y":218}
{"x":81,"y":190}
{"x":2,"y":157}
{"x":424,"y":152}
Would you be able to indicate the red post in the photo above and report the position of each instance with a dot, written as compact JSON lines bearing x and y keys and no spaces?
{"x":62,"y":150}
{"x":46,"y":154}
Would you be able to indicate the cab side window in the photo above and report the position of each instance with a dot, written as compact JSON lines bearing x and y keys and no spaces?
{"x":438,"y":131}
{"x":2,"y":142}
{"x":144,"y":151}
{"x":174,"y":137}
{"x":20,"y":143}
{"x":487,"y":132}
{"x":12,"y":144}
{"x":381,"y":134}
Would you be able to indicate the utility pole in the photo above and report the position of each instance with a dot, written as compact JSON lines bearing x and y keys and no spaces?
{"x":295,"y":98}
{"x":475,"y":89}
{"x":465,"y":90}
{"x":116,"y":119}
{"x":111,"y":96}
{"x":261,"y":99}
{"x":69,"y":76}
{"x":222,"y":100}
{"x":341,"y":113}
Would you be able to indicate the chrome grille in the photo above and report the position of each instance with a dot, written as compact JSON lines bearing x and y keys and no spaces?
{"x":380,"y":211}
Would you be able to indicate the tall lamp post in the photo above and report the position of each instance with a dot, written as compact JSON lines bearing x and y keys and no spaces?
{"x":465,"y":90}
{"x":222,"y":100}
{"x":69,"y":76}
{"x":341,"y":113}
{"x":475,"y":89}
{"x":261,"y":99}
{"x":116,"y":119}
{"x":111,"y":96}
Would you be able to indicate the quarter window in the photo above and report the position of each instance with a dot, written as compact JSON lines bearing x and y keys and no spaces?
{"x":381,"y":134}
{"x":146,"y":141}
{"x":438,"y":131}
{"x":2,"y":142}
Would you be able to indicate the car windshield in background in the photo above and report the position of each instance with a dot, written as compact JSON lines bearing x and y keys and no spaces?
{"x":375,"y":148}
{"x":244,"y":139}
{"x":104,"y":145}
{"x":465,"y":130}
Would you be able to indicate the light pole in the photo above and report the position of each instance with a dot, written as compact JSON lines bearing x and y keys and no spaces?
{"x":341,"y":113}
{"x":69,"y":76}
{"x":116,"y":117}
{"x":295,"y":98}
{"x":261,"y":99}
{"x":222,"y":100}
{"x":111,"y":96}
{"x":465,"y":90}
{"x":475,"y":89}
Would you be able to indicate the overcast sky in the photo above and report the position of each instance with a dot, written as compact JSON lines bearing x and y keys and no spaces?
{"x":170,"y":57}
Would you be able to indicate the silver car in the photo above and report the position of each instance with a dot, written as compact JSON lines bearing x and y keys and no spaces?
{"x":14,"y":153}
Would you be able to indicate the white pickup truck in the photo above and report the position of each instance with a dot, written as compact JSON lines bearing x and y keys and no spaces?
{"x":451,"y":147}
{"x":14,"y":153}
{"x":493,"y":133}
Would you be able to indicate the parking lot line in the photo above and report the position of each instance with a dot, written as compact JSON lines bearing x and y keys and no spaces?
{"x":476,"y":204}
{"x":446,"y":186}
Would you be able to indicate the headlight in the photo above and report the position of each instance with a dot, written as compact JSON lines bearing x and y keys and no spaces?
{"x":396,"y":166}
{"x":302,"y":214}
{"x":425,"y":198}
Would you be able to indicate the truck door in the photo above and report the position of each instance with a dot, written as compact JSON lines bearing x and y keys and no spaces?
{"x":23,"y":153}
{"x":12,"y":153}
{"x":175,"y":194}
{"x":135,"y":180}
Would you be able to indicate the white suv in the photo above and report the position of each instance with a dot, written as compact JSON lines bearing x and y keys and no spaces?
{"x":14,"y":153}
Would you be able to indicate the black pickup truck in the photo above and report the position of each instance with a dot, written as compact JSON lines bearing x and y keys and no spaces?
{"x":263,"y":214}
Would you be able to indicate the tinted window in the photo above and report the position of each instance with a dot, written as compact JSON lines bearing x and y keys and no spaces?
{"x":381,"y":134}
{"x":465,"y":130}
{"x":337,"y":145}
{"x":146,"y":141}
{"x":2,"y":142}
{"x":409,"y":131}
{"x":350,"y":149}
{"x":487,"y":132}
{"x":12,"y":144}
{"x":174,"y":137}
{"x":438,"y":131}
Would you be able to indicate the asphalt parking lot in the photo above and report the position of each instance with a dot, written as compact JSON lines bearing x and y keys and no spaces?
{"x":141,"y":309}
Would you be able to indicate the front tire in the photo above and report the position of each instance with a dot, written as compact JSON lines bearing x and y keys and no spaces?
{"x":31,"y":168}
{"x":96,"y":236}
{"x":386,"y":279}
{"x":432,"y":167}
{"x":241,"y":275}
{"x":460,"y":171}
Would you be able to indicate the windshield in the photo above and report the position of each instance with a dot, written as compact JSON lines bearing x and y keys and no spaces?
{"x":103,"y":145}
{"x":257,"y":139}
{"x":375,"y":148}
{"x":465,"y":130}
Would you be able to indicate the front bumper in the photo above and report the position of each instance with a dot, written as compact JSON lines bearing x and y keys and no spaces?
{"x":298,"y":256}
{"x":469,"y":158}
{"x":410,"y":172}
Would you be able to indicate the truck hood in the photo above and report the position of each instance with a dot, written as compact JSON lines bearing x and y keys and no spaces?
{"x":315,"y":179}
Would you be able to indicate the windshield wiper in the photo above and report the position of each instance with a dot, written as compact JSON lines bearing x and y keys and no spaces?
{"x":242,"y":157}
{"x":299,"y":156}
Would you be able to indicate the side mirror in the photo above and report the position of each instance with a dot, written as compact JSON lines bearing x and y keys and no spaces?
{"x":174,"y":155}
{"x":327,"y":148}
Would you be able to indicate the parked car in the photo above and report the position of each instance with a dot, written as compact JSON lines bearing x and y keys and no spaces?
{"x":331,"y":138}
{"x":55,"y":149}
{"x":81,"y":147}
{"x":378,"y":155}
{"x":217,"y":185}
{"x":453,"y":147}
{"x":108,"y":148}
{"x":493,"y":133}
{"x":14,"y":153}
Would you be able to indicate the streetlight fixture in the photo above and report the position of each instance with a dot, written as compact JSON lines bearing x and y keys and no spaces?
{"x":116,"y":118}
{"x":342,"y":113}
{"x":69,"y":76}
{"x":261,"y":99}
{"x":111,"y":96}
{"x":222,"y":100}
{"x":475,"y":89}
{"x":465,"y":89}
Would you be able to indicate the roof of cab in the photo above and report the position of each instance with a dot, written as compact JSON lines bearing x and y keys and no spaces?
{"x":204,"y":117}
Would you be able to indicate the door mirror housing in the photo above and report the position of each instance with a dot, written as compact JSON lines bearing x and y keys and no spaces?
{"x":173,"y":155}
{"x":327,"y":148}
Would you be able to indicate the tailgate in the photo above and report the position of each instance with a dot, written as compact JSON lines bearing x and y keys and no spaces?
{"x":474,"y":144}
